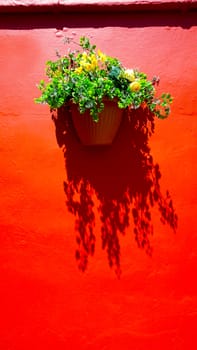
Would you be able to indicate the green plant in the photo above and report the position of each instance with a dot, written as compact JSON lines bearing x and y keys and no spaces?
{"x":87,"y":76}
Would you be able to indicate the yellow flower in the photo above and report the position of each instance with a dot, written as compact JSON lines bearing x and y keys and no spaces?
{"x":88,"y":62}
{"x":84,"y":55}
{"x":135,"y":86}
{"x":82,"y":63}
{"x":102,"y":56}
{"x":129,"y":74}
{"x":88,"y":66}
{"x":78,"y":70}
{"x":93,"y":61}
{"x":84,"y":59}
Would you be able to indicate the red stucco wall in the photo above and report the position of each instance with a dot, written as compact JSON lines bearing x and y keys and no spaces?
{"x":46,"y":300}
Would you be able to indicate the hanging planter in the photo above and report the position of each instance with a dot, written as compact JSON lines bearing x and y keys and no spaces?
{"x":104,"y":131}
{"x":98,"y":88}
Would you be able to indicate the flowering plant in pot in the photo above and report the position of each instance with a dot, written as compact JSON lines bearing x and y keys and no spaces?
{"x":98,"y":88}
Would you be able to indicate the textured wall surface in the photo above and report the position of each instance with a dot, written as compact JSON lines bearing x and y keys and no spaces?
{"x":58,"y":290}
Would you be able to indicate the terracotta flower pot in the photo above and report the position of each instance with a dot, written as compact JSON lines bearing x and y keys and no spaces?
{"x":104,"y":131}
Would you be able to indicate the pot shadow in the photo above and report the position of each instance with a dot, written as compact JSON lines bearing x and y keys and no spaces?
{"x":119,"y":184}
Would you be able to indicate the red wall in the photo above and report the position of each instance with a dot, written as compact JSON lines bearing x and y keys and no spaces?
{"x":57,"y":201}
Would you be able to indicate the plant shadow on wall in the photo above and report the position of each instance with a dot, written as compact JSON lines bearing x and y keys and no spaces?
{"x":122,"y":177}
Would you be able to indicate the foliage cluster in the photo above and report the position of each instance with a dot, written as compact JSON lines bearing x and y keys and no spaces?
{"x":87,"y":77}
